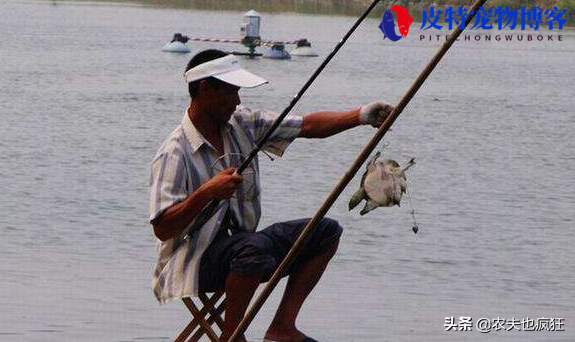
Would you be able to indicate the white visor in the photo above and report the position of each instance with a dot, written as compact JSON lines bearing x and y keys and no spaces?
{"x":226,"y":69}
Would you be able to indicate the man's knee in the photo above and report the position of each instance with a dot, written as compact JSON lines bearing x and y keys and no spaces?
{"x":330,"y":233}
{"x":331,"y":229}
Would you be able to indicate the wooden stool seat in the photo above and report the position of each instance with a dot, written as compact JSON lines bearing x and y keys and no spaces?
{"x":206,"y":312}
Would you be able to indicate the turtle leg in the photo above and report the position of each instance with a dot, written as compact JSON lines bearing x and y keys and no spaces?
{"x":356,"y":198}
{"x":397,"y":198}
{"x":369,"y":206}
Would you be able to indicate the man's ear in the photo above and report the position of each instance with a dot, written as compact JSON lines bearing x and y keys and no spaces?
{"x":203,"y":87}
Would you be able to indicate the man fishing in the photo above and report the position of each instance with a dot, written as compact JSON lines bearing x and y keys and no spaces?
{"x":196,"y":165}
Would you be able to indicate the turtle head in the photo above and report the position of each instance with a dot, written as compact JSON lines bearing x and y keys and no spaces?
{"x":390,"y":165}
{"x":407,"y":165}
{"x":374,"y":158}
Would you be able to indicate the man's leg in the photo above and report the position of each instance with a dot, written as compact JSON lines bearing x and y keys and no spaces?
{"x":235,"y":264}
{"x":249,"y":259}
{"x":239,"y":292}
{"x":300,"y":284}
{"x":250,"y":256}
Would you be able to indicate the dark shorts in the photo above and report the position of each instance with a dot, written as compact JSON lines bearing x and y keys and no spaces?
{"x":248,"y":254}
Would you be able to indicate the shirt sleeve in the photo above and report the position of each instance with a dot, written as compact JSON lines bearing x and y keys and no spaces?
{"x":167,"y":182}
{"x":259,"y":121}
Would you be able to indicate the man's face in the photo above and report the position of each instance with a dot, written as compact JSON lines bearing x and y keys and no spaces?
{"x":222,"y":101}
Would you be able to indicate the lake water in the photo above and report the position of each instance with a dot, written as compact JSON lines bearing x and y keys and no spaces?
{"x":86,"y":98}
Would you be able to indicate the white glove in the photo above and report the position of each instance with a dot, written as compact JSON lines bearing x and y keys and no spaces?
{"x":374,"y":113}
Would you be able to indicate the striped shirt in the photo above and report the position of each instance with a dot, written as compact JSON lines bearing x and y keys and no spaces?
{"x":183,"y":163}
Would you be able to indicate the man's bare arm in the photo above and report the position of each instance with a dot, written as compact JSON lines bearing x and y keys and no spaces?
{"x":325,"y":124}
{"x":177,"y":217}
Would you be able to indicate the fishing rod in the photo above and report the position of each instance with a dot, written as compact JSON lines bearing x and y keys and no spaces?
{"x":350,"y":173}
{"x":210,"y":209}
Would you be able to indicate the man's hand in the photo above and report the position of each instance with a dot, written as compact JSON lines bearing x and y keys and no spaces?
{"x":177,"y":217}
{"x":374,"y":113}
{"x":224,"y":184}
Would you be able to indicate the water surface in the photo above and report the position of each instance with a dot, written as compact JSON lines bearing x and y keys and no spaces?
{"x":87,"y":97}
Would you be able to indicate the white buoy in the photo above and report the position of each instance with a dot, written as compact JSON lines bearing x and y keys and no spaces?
{"x":304,"y":49}
{"x":177,"y":47}
{"x":178,"y":44}
{"x":277,"y":51}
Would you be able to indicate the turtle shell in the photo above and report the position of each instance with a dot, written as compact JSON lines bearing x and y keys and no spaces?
{"x":382,"y":186}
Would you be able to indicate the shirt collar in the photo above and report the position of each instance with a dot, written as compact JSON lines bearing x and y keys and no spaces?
{"x":195,"y":138}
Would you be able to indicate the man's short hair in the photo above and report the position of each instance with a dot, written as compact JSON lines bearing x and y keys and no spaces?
{"x":199,"y":58}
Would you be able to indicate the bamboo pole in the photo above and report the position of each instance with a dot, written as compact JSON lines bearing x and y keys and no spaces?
{"x":348,"y":176}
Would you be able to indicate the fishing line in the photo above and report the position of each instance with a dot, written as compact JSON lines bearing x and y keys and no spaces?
{"x":415,"y":227}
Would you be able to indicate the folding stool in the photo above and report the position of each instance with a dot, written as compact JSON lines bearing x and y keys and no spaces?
{"x":203,"y":319}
